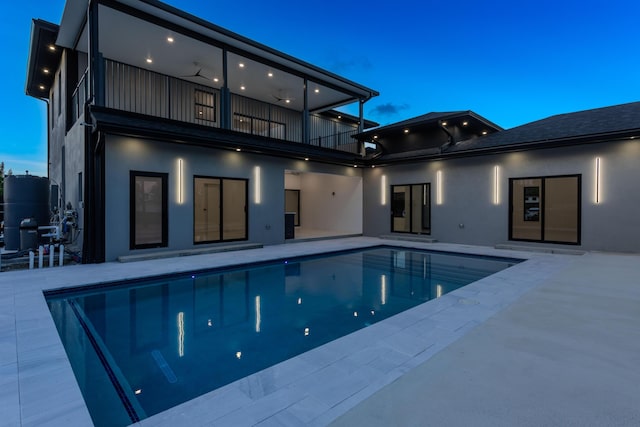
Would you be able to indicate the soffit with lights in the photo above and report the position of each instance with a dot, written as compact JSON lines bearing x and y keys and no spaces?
{"x":267,"y":75}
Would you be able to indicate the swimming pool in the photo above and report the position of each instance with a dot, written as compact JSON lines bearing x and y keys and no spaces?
{"x":138,"y":348}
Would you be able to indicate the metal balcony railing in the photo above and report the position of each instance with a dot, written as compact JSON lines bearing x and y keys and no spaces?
{"x":137,"y":90}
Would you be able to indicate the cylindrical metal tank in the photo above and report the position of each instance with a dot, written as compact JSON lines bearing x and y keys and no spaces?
{"x":25,"y":196}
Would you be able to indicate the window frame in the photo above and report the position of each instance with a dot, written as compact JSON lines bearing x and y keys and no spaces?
{"x":542,"y":206}
{"x":164,"y":241}
{"x":221,"y":216}
{"x":423,"y":231}
{"x":197,"y":105}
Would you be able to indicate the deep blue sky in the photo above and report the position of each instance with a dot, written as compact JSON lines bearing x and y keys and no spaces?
{"x":510,"y":61}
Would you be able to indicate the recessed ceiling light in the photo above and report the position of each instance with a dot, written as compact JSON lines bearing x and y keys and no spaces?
{"x":484,"y":132}
{"x":375,"y":136}
{"x":41,"y":87}
{"x":270,"y":74}
{"x":170,"y":39}
{"x":339,"y":117}
{"x":45,"y":70}
{"x":287,"y":101}
{"x":52,"y":48}
{"x":149,"y":60}
{"x":215,"y":79}
{"x":465,"y":123}
{"x":355,"y":166}
{"x":241,"y":65}
{"x":200,"y":112}
{"x":406,"y":131}
{"x":242,"y":88}
{"x":444,"y":123}
{"x":317,"y":91}
{"x":237,"y":149}
{"x":373,"y":166}
{"x":306,"y":159}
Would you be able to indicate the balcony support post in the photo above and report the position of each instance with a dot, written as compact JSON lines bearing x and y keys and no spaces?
{"x":96,"y":63}
{"x":225,"y":95}
{"x":305,"y":116}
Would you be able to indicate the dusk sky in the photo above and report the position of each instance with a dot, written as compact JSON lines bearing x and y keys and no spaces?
{"x":510,"y":61}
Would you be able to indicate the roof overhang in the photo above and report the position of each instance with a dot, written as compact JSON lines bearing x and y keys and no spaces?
{"x":158,"y":14}
{"x":44,"y":58}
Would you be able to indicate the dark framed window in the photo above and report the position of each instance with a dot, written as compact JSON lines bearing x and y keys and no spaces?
{"x":411,"y":208}
{"x":545,"y":209}
{"x":219,"y":209}
{"x":204,"y":106}
{"x":148,"y":210}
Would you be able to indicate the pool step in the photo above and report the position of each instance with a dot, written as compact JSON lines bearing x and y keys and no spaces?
{"x":410,"y":238}
{"x":187,"y":252}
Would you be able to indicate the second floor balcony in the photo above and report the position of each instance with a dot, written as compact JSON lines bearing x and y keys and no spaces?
{"x":137,"y":90}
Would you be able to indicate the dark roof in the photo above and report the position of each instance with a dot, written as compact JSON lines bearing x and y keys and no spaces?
{"x":426,"y":120}
{"x":604,"y":122}
{"x":41,"y":58}
{"x":582,"y":127}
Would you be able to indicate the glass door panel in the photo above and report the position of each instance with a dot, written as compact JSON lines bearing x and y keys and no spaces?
{"x":206,"y":213}
{"x":526,"y":219}
{"x":561,"y":209}
{"x":400,"y":208}
{"x":234,"y":212}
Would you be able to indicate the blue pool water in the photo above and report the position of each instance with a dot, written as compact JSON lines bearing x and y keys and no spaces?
{"x":138,"y":348}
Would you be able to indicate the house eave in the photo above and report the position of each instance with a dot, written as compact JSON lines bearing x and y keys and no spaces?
{"x":140,"y":126}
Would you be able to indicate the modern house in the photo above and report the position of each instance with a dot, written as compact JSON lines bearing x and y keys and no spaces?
{"x":167,"y":133}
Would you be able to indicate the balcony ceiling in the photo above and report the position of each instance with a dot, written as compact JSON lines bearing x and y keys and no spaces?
{"x":134,"y":41}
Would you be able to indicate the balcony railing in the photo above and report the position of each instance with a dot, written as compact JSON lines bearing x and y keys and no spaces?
{"x":137,"y":90}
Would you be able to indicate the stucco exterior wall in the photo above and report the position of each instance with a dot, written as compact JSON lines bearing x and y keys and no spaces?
{"x":467,"y":214}
{"x":265,"y":194}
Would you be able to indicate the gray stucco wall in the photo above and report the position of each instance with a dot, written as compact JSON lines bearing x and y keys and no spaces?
{"x":266,"y":218}
{"x":468,"y":194}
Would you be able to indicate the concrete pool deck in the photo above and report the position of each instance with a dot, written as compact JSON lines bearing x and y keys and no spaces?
{"x":553,"y":340}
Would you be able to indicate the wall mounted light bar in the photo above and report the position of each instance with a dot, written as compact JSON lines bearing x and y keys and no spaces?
{"x":439,"y":187}
{"x":598,"y":195}
{"x":496,"y":185}
{"x":383,"y":190}
{"x":257,"y":186}
{"x":180,"y":182}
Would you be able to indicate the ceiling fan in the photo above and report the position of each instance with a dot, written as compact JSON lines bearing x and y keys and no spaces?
{"x":198,"y":73}
{"x":286,"y":99}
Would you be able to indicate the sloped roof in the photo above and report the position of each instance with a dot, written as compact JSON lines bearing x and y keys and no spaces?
{"x":603,"y":122}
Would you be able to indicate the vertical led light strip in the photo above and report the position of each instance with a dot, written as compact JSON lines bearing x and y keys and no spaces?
{"x":496,"y":185}
{"x":180,"y":183}
{"x":598,"y":198}
{"x":439,"y":187}
{"x":383,"y":190}
{"x":257,"y":190}
{"x":258,"y":314}
{"x":383,"y":289}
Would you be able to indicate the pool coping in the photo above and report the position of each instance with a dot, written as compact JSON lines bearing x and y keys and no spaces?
{"x":314,"y":388}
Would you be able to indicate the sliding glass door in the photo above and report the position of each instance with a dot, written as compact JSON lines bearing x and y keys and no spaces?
{"x":219,"y":209}
{"x":545,"y":209}
{"x":411,"y":208}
